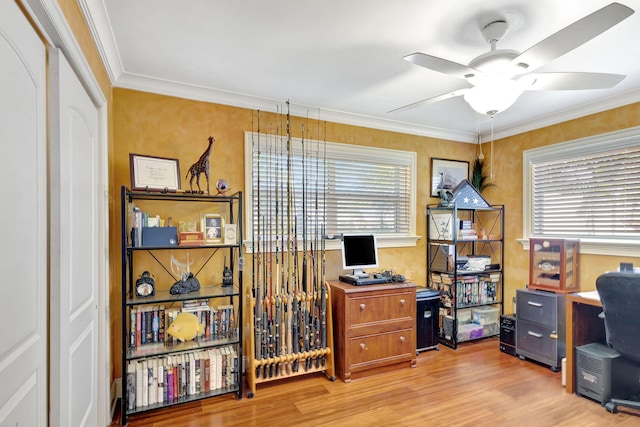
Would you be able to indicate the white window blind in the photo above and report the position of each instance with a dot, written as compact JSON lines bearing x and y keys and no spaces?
{"x":347,"y":188}
{"x":597,"y":195}
{"x":587,"y":189}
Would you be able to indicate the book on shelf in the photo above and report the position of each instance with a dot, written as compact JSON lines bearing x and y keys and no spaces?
{"x":195,"y":305}
{"x":169,"y":379}
{"x":153,"y":382}
{"x":144,"y":379}
{"x":131,"y":385}
{"x":139,"y":384}
{"x":161,"y":381}
{"x":133,"y":342}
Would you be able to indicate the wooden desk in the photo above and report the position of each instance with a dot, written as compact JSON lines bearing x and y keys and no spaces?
{"x":583,"y":327}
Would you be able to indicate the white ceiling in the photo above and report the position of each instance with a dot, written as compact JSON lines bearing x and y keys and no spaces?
{"x":342,"y":60}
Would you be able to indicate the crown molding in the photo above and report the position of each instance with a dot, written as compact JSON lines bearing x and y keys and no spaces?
{"x":200,"y":93}
{"x":626,"y":98}
{"x":97,"y":20}
{"x":100,"y":28}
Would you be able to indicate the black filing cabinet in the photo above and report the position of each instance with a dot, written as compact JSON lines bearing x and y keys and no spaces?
{"x":540,"y":330}
{"x":428,"y":304}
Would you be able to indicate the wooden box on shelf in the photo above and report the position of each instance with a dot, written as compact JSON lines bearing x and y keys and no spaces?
{"x":553,"y":265}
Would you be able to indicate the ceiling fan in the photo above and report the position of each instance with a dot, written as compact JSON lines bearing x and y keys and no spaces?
{"x":495,"y":79}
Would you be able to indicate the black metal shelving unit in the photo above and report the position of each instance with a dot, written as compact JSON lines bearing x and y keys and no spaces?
{"x":231,"y":205}
{"x":460,"y":289}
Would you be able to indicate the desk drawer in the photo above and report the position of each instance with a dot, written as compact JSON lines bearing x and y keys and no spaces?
{"x":538,"y":307}
{"x":364,"y":351}
{"x":363,"y":310}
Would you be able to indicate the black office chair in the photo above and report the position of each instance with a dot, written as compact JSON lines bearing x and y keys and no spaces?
{"x":620,"y":296}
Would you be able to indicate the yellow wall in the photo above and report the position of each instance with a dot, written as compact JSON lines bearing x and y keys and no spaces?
{"x":159,"y":125}
{"x":507,"y":168}
{"x":164,"y":126}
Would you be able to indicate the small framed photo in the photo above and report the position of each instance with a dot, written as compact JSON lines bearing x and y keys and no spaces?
{"x":152,"y":173}
{"x":230,"y":232}
{"x":450,"y":172}
{"x":213,"y":228}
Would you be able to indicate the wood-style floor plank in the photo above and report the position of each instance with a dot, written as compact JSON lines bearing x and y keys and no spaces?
{"x":475,"y":385}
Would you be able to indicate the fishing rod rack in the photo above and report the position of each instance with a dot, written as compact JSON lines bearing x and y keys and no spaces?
{"x":289,"y":306}
{"x":289,"y":364}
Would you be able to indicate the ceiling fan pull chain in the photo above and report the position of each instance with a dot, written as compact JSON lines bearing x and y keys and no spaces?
{"x":491,"y":166}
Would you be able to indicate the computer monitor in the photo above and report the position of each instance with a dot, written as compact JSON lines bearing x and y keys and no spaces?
{"x":359,"y":252}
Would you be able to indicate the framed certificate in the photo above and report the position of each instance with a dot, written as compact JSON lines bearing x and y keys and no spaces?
{"x":152,"y":173}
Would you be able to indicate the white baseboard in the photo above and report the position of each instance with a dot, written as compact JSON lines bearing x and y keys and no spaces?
{"x":116,"y":393}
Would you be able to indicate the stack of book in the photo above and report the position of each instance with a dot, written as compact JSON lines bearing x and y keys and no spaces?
{"x":466,"y":231}
{"x":148,"y":324}
{"x":183,"y":376}
{"x":469,"y":289}
{"x":219,"y":322}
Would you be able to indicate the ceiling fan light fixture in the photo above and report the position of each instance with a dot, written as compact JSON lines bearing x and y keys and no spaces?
{"x":493,"y":96}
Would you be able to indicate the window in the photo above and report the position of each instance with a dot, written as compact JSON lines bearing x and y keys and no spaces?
{"x":368,"y":190}
{"x":587,"y":189}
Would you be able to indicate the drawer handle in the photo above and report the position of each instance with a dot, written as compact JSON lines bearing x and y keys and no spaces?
{"x":535,"y":304}
{"x":402,"y":301}
{"x":363,"y":346}
{"x":533,"y":334}
{"x":401,"y":339}
{"x":362,"y":306}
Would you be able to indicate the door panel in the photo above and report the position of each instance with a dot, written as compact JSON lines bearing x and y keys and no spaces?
{"x":23,"y":192}
{"x":74,"y":247}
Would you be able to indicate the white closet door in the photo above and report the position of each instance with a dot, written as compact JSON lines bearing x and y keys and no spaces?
{"x":23,"y":222}
{"x":74,"y":248}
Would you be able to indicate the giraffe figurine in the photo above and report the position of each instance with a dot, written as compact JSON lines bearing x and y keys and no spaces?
{"x":201,"y":166}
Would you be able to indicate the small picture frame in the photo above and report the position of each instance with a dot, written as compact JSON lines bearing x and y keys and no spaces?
{"x":213,"y":228}
{"x":451,"y":171}
{"x":230,"y":234}
{"x":152,"y":173}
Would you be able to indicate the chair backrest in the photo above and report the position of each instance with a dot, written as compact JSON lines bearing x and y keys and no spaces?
{"x":620,"y":296}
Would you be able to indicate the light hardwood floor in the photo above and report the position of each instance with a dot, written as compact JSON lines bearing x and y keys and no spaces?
{"x":475,"y":385}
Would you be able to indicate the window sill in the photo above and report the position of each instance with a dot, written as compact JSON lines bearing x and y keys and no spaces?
{"x":334,"y":244}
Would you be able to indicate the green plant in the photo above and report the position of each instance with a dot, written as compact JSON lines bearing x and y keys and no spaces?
{"x":479,"y":177}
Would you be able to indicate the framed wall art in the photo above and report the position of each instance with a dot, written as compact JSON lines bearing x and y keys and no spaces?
{"x":152,"y":173}
{"x":451,"y":172}
{"x":213,"y":228}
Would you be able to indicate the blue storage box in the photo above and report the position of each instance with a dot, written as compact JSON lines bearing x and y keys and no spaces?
{"x":159,"y":236}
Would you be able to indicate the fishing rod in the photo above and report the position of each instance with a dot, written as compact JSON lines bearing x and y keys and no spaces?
{"x":291,"y":285}
{"x":258,"y":275}
{"x":323,"y":294}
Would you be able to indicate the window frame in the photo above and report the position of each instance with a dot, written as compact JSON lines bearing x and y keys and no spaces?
{"x":384,"y":240}
{"x":584,"y":146}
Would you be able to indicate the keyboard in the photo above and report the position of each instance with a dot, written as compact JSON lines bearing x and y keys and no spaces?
{"x":364,"y":281}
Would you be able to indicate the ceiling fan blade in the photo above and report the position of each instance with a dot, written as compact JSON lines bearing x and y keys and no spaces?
{"x":573,"y":36}
{"x":432,"y":100}
{"x":441,"y":65}
{"x":570,"y":81}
